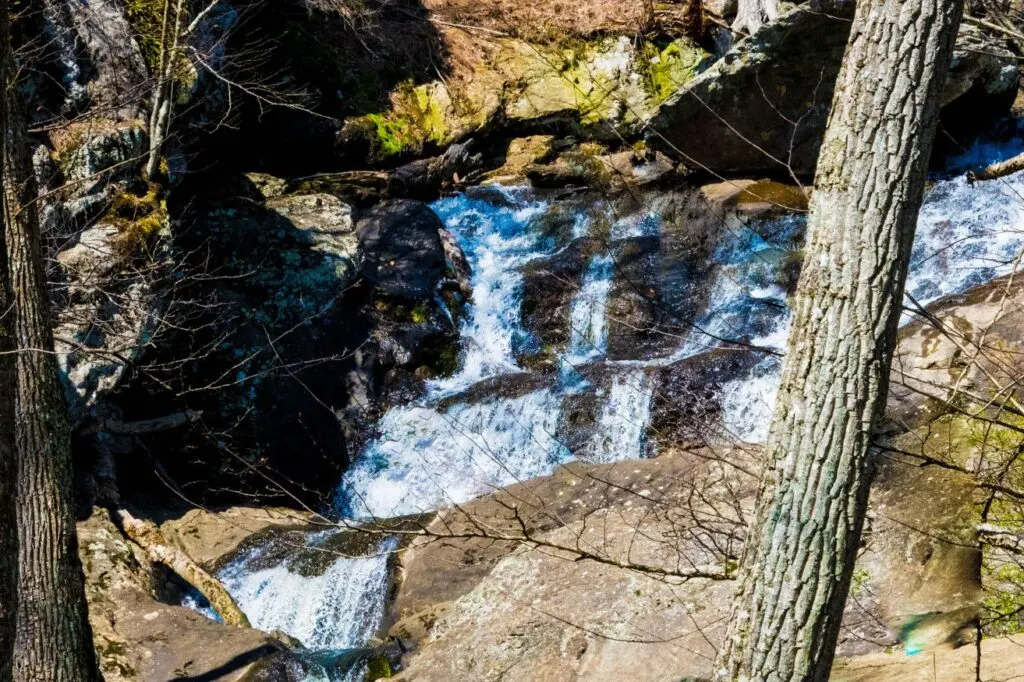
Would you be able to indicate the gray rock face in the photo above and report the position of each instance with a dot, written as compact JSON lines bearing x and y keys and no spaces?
{"x":106,"y":316}
{"x":764,"y":105}
{"x":327,"y":224}
{"x":97,"y":34}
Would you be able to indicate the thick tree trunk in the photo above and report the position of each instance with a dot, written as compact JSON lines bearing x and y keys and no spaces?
{"x":148,"y":536}
{"x":753,"y":14}
{"x":8,"y":529}
{"x":54,"y":641}
{"x":800,"y":553}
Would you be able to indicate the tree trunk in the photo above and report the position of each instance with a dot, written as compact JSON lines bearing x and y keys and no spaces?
{"x":163,"y":96}
{"x":148,"y":536}
{"x":54,"y":640}
{"x":8,"y":471}
{"x":753,"y":14}
{"x":800,"y":552}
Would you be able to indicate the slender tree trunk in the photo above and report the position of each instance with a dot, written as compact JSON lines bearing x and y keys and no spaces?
{"x":8,"y":471}
{"x":54,"y":640}
{"x":160,"y":115}
{"x":800,"y":553}
{"x":753,"y":14}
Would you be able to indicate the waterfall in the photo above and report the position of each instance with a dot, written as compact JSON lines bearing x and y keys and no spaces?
{"x":588,"y":329}
{"x":622,"y":427}
{"x":967,"y":235}
{"x":493,"y":423}
{"x":497,"y":243}
{"x":340,"y":608}
{"x":428,"y":457}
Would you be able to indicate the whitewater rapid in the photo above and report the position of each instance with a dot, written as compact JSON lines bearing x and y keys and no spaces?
{"x":459,"y":441}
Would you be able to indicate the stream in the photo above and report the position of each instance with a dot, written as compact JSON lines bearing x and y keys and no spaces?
{"x":496,"y":421}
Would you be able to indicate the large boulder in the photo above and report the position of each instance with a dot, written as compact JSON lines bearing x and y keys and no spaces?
{"x":107,"y":312}
{"x":294,"y":318}
{"x":606,"y":84}
{"x":256,"y":338}
{"x":403,"y":255}
{"x":139,"y":638}
{"x":762,"y":108}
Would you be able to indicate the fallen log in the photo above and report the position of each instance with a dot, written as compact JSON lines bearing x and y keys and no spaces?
{"x":998,"y":170}
{"x":148,"y":536}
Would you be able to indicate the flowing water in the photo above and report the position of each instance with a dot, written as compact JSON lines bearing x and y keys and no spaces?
{"x":494,"y":422}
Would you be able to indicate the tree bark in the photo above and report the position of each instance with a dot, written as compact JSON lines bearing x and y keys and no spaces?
{"x":8,"y":471}
{"x":54,"y":640}
{"x":801,"y":549}
{"x":753,"y":14}
{"x":148,"y":536}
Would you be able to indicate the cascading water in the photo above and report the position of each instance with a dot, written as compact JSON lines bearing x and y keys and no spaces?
{"x":967,"y":234}
{"x":588,"y":326}
{"x":428,"y":458}
{"x":494,"y":423}
{"x":339,"y":606}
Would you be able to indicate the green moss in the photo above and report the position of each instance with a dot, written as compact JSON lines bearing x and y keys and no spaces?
{"x":378,"y":668}
{"x":670,"y":68}
{"x":146,"y":20}
{"x":139,"y":218}
{"x":393,"y":133}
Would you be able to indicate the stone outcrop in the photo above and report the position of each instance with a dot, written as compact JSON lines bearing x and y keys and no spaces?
{"x":607,"y":85}
{"x":763,"y":106}
{"x":142,"y":639}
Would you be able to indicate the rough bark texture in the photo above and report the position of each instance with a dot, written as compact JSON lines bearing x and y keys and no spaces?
{"x":800,"y":553}
{"x":54,"y":641}
{"x":8,"y":530}
{"x":148,"y":536}
{"x":753,"y":14}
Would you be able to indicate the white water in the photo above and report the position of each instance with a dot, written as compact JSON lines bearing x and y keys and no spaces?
{"x":967,"y":235}
{"x":622,"y":428}
{"x":588,"y":326}
{"x":340,"y":609}
{"x":497,"y":245}
{"x":426,"y":456}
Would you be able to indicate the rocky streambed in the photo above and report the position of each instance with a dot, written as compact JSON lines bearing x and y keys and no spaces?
{"x":617,"y":365}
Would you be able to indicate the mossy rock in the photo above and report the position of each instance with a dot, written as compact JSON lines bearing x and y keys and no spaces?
{"x":594,"y":84}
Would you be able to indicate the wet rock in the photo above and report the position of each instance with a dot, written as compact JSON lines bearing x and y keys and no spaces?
{"x":549,"y":285}
{"x":687,"y":407}
{"x":660,"y":281}
{"x":403,"y":255}
{"x":786,"y":72}
{"x":506,"y":386}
